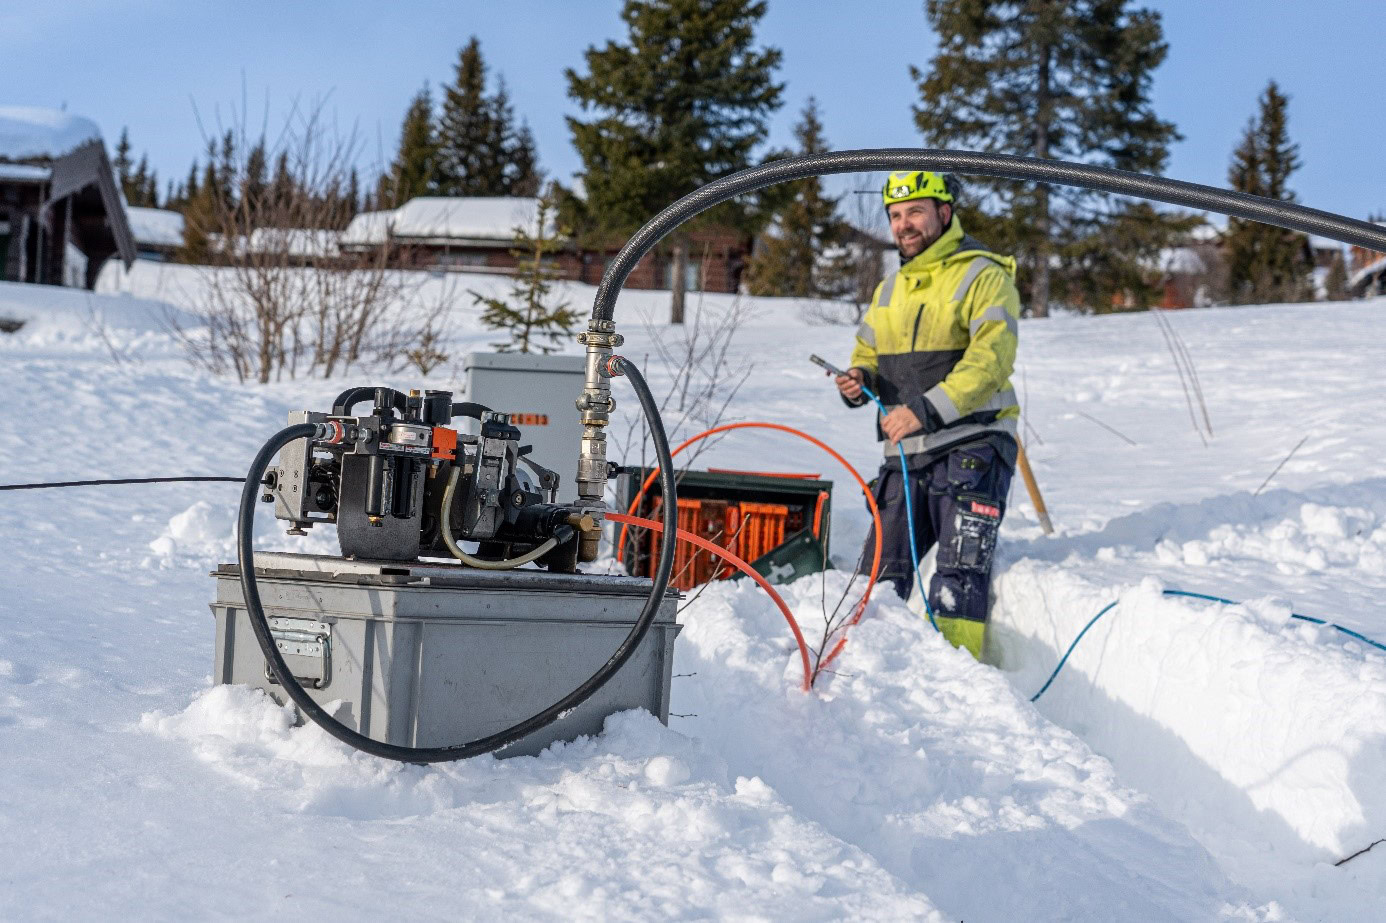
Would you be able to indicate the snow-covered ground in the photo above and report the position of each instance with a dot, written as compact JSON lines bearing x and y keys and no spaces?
{"x":1191,"y":762}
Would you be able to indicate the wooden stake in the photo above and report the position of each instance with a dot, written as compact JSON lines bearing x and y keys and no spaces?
{"x":1032,"y":488}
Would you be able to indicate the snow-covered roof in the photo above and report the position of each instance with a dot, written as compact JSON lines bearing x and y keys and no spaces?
{"x":436,"y":219}
{"x":1181,"y":260}
{"x":368,"y":228}
{"x":1366,"y":272}
{"x":1324,"y":243}
{"x":158,"y":227}
{"x":31,"y":133}
{"x":25,"y":173}
{"x":294,"y":241}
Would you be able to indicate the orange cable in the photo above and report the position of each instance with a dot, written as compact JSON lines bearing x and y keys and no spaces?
{"x":861,"y":482}
{"x":748,"y":570}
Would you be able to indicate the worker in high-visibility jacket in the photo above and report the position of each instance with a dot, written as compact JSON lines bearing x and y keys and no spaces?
{"x":938,"y":345}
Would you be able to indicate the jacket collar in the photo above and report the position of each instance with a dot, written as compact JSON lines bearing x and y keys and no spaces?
{"x":939,"y":250}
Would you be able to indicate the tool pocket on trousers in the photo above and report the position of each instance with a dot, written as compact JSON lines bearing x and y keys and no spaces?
{"x":971,"y":541}
{"x":968,"y":468}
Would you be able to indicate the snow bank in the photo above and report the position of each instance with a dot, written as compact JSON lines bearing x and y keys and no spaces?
{"x":1255,"y":729}
{"x":925,"y":758}
{"x":641,"y":823}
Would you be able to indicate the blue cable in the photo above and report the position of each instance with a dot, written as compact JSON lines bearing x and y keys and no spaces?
{"x":909,"y":512}
{"x":1186,"y":593}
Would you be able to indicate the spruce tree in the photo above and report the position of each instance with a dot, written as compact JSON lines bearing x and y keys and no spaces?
{"x":531,"y":318}
{"x":683,"y":101}
{"x":122,"y":162}
{"x":525,"y":177}
{"x":414,"y":170}
{"x":1066,"y":79}
{"x":480,"y":152}
{"x":254,"y":183}
{"x":801,"y":256}
{"x":1266,"y":263}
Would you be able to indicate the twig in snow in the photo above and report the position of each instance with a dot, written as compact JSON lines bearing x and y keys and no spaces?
{"x":1279,"y":466}
{"x":1188,"y":375}
{"x":1025,"y":407}
{"x":1359,"y":852}
{"x":1109,"y":429}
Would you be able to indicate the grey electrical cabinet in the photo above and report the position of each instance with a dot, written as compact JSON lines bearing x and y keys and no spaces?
{"x":541,"y":392}
{"x":433,"y":654}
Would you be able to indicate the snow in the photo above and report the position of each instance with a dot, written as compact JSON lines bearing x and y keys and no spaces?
{"x":436,"y":219}
{"x":158,"y":227}
{"x":1192,"y":761}
{"x":32,"y":133}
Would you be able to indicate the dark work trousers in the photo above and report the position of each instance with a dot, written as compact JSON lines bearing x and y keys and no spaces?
{"x":959,"y":500}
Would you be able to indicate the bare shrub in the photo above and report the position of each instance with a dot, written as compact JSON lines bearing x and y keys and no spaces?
{"x":277,"y":296}
{"x":703,"y":379}
{"x":859,"y":267}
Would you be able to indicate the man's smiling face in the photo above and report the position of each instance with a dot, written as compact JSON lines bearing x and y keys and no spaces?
{"x":917,"y":224}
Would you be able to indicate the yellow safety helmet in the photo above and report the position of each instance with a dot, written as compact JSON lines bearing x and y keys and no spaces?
{"x":915,"y":184}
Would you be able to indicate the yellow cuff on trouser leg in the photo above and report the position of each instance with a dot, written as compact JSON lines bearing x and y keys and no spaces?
{"x":968,"y":633}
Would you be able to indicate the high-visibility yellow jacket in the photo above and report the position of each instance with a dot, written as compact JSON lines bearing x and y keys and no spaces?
{"x":940,"y":337}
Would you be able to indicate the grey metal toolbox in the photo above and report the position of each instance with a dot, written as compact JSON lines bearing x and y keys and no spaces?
{"x":433,"y":654}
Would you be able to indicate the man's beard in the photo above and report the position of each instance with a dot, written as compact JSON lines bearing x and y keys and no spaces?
{"x":906,"y":257}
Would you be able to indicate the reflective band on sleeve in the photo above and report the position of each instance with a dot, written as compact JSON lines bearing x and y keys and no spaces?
{"x":867,"y":334}
{"x":943,"y":404}
{"x":974,"y":270}
{"x":1001,"y":400}
{"x":887,"y":289}
{"x":996,"y":312}
{"x":914,"y":445}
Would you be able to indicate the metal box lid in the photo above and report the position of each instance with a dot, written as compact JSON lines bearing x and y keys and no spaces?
{"x":524,"y":362}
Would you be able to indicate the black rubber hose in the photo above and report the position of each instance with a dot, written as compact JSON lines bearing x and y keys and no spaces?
{"x":342,"y":404}
{"x":245,"y":526}
{"x":470,"y":409}
{"x":1003,"y":166}
{"x":108,"y":481}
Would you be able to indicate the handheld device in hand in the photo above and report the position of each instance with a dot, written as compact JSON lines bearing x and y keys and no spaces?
{"x":825,"y":364}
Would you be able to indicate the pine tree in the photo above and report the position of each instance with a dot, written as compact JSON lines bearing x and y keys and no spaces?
{"x":1065,"y":79}
{"x":122,"y":162}
{"x":802,"y":257}
{"x":137,"y":191}
{"x":529,"y":316}
{"x":414,"y":170}
{"x":523,"y":171}
{"x":254,"y":184}
{"x":479,"y":151}
{"x":353,"y":197}
{"x":682,"y":102}
{"x":1266,"y":263}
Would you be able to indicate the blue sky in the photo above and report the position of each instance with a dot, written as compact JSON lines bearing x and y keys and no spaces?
{"x":145,"y":64}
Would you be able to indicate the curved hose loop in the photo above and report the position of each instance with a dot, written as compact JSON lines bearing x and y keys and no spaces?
{"x":1002,"y":166}
{"x":685,"y":536}
{"x":861,"y":482}
{"x":342,"y":403}
{"x":245,"y":556}
{"x":534,"y":554}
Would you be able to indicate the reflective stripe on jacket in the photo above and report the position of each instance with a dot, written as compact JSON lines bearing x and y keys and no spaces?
{"x":941,"y":335}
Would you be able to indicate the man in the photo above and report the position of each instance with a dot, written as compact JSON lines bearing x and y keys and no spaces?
{"x":937,"y":346}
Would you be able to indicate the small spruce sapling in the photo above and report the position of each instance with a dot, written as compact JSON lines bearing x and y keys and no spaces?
{"x":532,"y":317}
